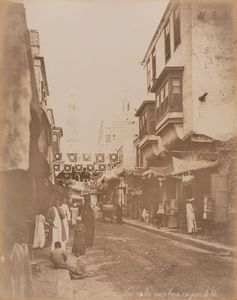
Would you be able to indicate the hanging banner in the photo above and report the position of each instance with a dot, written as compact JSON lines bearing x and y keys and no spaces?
{"x":102,"y":167}
{"x":56,"y":167}
{"x":113,"y":157}
{"x":57,"y":156}
{"x":99,"y":158}
{"x":68,"y":168}
{"x":90,"y":168}
{"x":86,"y":156}
{"x":79,"y":168}
{"x":72,"y":157}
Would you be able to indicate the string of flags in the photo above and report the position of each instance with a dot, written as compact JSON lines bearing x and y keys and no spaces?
{"x":100,"y":162}
{"x":78,"y":168}
{"x":99,"y":158}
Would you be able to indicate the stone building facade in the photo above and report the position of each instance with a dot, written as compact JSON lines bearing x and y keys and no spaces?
{"x":190,"y":65}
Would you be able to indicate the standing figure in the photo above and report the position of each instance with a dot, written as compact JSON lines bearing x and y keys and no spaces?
{"x":160,"y":215}
{"x":191,"y":220}
{"x":22,"y":276}
{"x":79,"y":240}
{"x":56,"y":231}
{"x":145,"y":215}
{"x":88,"y":219}
{"x":119,"y":213}
{"x":67,"y":218}
{"x":74,"y":214}
{"x":39,"y":235}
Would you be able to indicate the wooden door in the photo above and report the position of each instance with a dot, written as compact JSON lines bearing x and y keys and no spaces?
{"x":219,"y":194}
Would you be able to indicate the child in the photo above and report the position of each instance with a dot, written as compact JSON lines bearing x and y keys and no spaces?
{"x":79,"y":241}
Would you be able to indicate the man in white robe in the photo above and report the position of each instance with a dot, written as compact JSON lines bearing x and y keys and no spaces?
{"x":55,"y":220}
{"x":191,"y":220}
{"x":67,"y":218}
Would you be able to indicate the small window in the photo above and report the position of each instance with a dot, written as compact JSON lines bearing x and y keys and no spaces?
{"x":108,"y":138}
{"x":176,"y":86}
{"x":157,"y":100}
{"x":148,"y":75}
{"x":167,"y":42}
{"x":166,"y":89}
{"x":154,"y":63}
{"x":54,"y":138}
{"x":108,"y":135}
{"x":161,"y":95}
{"x":177,"y":36}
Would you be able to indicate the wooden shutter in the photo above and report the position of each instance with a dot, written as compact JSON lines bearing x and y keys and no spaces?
{"x":219,"y":194}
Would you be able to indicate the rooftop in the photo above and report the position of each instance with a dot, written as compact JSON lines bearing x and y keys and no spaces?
{"x":144,"y":103}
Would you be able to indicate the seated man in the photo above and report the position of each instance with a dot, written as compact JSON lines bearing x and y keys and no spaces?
{"x":59,"y":257}
{"x":59,"y":260}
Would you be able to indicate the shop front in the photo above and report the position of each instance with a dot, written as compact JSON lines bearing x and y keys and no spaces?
{"x":203,"y":183}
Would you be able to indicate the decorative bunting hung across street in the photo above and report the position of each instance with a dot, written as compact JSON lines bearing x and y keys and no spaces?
{"x":79,"y":168}
{"x":102,"y":167}
{"x":99,"y":158}
{"x":90,"y":168}
{"x":86,"y":156}
{"x":56,"y":167}
{"x":68,"y":168}
{"x":72,"y":157}
{"x":57,"y":156}
{"x":113,"y":157}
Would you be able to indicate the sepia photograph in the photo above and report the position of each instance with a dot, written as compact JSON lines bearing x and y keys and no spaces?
{"x":118,"y":149}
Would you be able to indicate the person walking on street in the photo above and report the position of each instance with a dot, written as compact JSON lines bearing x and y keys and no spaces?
{"x":88,"y":219}
{"x":56,"y":230}
{"x":74,"y":214}
{"x":79,"y":240}
{"x":67,"y":217}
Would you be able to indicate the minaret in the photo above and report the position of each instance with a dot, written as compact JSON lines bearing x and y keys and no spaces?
{"x":72,"y":134}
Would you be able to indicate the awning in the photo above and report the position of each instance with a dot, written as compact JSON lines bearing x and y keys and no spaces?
{"x":112,"y":178}
{"x":185,"y":165}
{"x":136,"y":172}
{"x":159,"y":171}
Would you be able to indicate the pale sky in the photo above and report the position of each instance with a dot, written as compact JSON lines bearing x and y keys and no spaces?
{"x":92,"y":50}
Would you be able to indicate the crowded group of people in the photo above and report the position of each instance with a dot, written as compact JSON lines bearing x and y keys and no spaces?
{"x":54,"y":225}
{"x":60,"y":222}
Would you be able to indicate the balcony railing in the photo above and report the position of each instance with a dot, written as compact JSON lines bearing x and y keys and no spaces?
{"x":170,"y":104}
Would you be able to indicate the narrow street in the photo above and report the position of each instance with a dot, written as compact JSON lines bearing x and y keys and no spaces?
{"x":118,"y":109}
{"x":126,"y":262}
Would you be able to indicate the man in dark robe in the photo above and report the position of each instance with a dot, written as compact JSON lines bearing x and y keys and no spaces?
{"x":88,"y":219}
